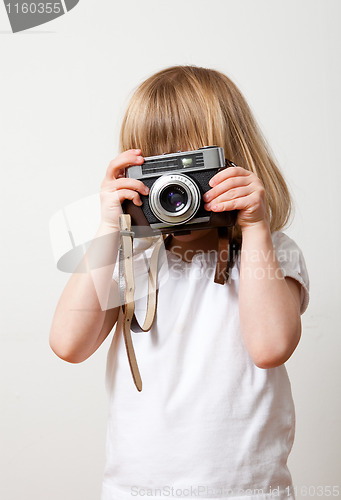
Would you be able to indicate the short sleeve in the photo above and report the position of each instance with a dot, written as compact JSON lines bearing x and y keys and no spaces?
{"x":292,"y":263}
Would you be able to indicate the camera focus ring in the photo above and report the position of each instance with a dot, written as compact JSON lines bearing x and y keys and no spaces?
{"x":174,"y":198}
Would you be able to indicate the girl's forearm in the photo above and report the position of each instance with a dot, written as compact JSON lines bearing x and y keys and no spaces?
{"x":269,"y":313}
{"x":87,"y":296}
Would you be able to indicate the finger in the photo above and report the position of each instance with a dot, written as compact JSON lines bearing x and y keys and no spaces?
{"x":225,"y":186}
{"x":133,"y":184}
{"x":227,"y":173}
{"x":236,"y":204}
{"x":127,"y":194}
{"x":124,"y":160}
{"x":232,"y":194}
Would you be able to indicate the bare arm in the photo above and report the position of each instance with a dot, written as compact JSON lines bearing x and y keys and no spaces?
{"x":269,"y":304}
{"x":88,"y":307}
{"x":81,"y":321}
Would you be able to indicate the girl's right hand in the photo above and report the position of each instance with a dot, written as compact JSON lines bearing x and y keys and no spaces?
{"x":116,"y":188}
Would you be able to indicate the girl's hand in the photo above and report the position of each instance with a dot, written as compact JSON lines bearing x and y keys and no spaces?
{"x":236,"y":188}
{"x":116,"y":188}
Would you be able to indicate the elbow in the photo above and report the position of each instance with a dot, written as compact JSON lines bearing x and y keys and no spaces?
{"x":64,"y":352}
{"x":271,"y":356}
{"x":270,"y":361}
{"x":66,"y":356}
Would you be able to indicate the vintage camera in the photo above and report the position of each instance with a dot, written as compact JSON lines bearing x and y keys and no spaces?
{"x":177,"y":183}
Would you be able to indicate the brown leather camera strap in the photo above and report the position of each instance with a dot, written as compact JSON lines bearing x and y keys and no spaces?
{"x":223,"y":258}
{"x":127,"y":290}
{"x":127,"y":285}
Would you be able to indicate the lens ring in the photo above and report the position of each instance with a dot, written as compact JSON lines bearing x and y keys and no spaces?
{"x":188,"y":190}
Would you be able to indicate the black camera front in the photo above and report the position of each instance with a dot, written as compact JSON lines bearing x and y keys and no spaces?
{"x":177,"y":183}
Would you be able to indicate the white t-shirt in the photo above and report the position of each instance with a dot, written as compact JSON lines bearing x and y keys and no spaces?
{"x":208,"y":423}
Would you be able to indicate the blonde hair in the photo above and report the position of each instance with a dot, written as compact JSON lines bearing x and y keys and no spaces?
{"x":188,"y":107}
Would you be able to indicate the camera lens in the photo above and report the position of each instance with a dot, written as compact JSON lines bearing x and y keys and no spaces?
{"x":173,"y":198}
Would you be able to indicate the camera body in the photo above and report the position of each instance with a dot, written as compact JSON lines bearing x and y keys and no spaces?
{"x":177,"y":183}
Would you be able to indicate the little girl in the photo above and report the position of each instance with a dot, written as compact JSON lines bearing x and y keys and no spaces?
{"x":215,"y":418}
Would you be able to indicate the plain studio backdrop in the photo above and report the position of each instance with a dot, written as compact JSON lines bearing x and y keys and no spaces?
{"x":64,"y":87}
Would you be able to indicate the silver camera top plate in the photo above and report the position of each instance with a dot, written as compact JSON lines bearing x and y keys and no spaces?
{"x":183,"y":161}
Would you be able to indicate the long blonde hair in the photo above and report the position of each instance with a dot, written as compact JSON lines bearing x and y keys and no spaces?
{"x":188,"y":107}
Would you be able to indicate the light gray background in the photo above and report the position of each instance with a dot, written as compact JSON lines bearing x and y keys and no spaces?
{"x":63,"y":88}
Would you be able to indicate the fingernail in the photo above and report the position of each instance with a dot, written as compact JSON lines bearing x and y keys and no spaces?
{"x":208,"y":206}
{"x":211,"y":183}
{"x":206,"y":196}
{"x":146,"y":190}
{"x":139,"y":158}
{"x":137,"y":150}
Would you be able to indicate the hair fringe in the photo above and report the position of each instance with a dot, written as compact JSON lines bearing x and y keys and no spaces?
{"x":188,"y":107}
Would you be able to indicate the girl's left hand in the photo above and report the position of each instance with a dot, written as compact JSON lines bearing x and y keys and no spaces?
{"x":236,"y":188}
